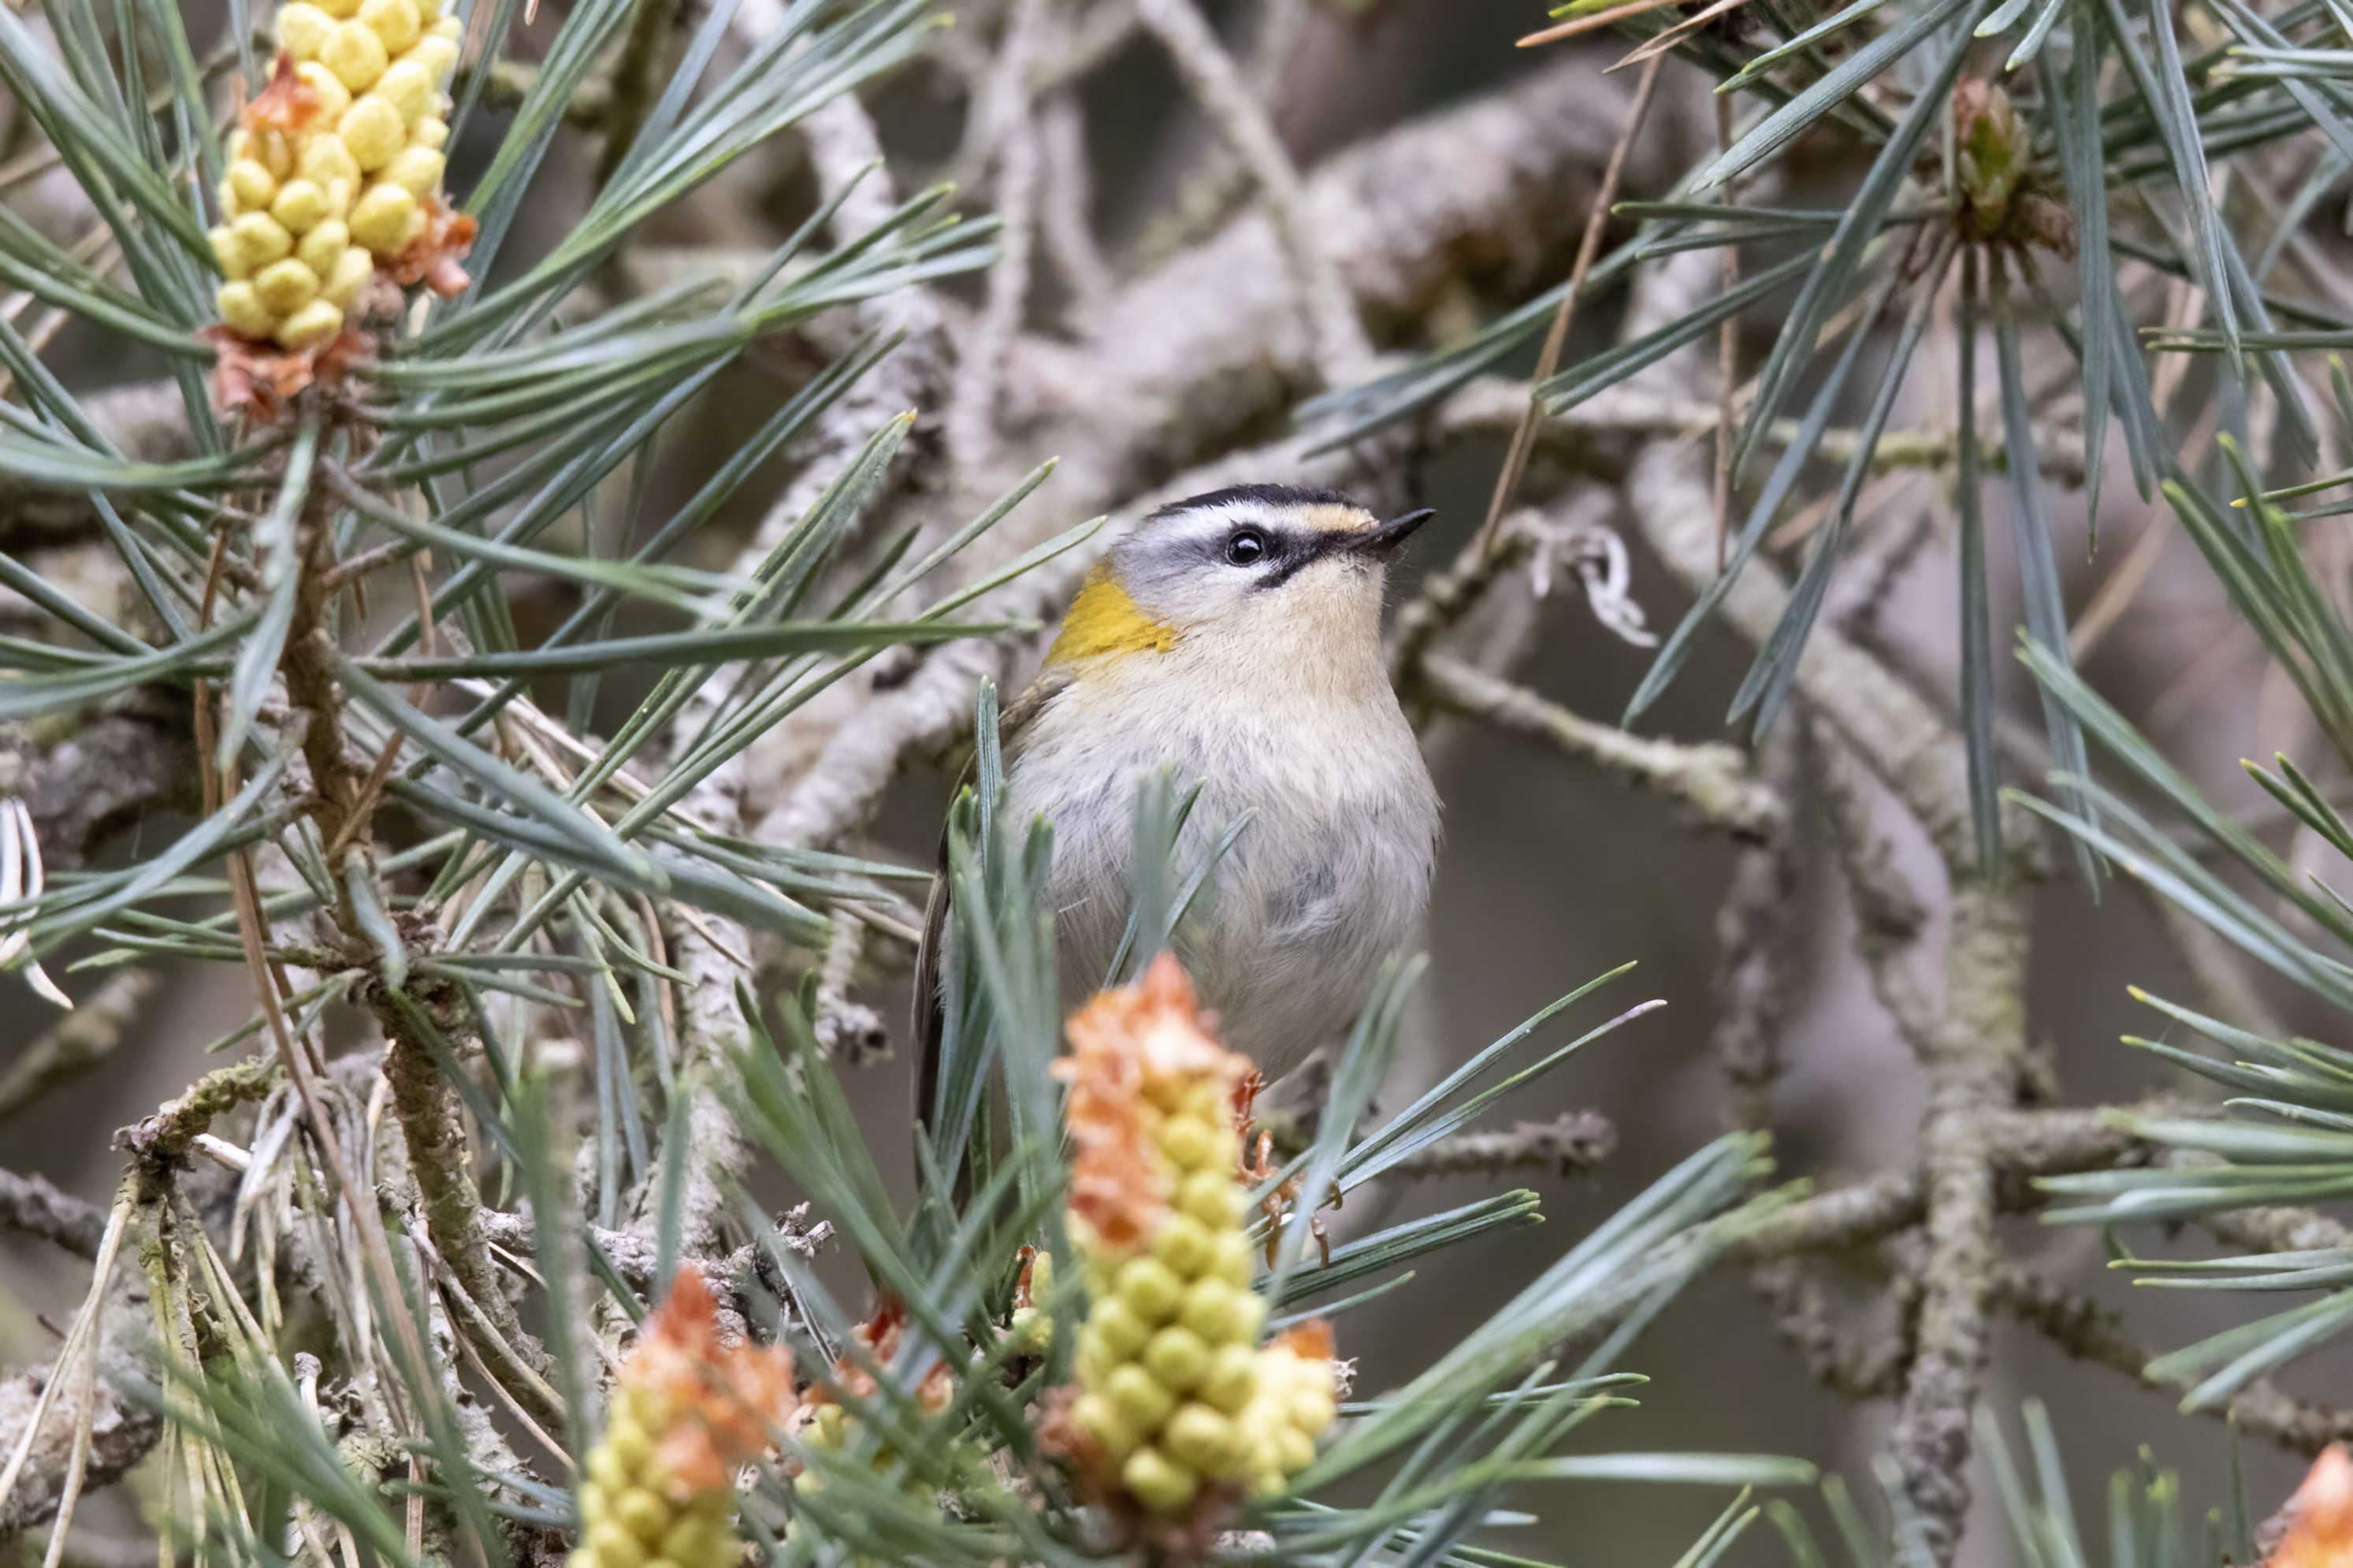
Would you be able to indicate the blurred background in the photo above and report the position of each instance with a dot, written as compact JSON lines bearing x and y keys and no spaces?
{"x":1552,"y":871}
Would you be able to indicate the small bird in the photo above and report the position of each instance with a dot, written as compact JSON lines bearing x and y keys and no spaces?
{"x":1233,"y":638}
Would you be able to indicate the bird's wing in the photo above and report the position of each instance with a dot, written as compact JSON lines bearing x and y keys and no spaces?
{"x":930,"y":1020}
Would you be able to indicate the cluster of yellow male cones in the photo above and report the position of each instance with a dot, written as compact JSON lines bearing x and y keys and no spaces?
{"x":1179,"y":1410}
{"x":686,"y":1412}
{"x":1178,"y":1403}
{"x":336,"y":169}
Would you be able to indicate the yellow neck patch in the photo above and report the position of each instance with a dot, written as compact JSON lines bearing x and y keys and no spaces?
{"x":1104,"y":619}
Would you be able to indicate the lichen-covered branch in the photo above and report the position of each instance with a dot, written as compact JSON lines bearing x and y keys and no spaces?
{"x":1757,"y":948}
{"x":120,"y":1414}
{"x":2089,"y":1331}
{"x":160,"y":1141}
{"x":441,"y":1163}
{"x":1972,"y":1060}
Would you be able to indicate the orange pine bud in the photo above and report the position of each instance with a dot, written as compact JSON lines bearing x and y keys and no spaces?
{"x":2321,"y":1532}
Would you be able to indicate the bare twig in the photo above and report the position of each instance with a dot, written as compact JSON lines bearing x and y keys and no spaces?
{"x":1571,"y":1144}
{"x":1712,"y":780}
{"x":1101,"y":32}
{"x":1879,"y":559}
{"x":1066,"y":206}
{"x":1844,"y":1216}
{"x":1447,"y":597}
{"x":1597,"y":219}
{"x":1888,"y":914}
{"x":2020,"y":1145}
{"x":1858,"y":1361}
{"x":1217,"y":180}
{"x":1596,"y":433}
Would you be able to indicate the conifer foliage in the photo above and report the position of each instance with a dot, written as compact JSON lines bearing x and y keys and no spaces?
{"x":540,"y":1009}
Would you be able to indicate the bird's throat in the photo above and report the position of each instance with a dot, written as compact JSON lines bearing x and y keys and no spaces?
{"x":1104,"y":619}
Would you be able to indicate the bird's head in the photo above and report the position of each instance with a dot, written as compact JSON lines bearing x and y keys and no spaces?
{"x":1256,"y":567}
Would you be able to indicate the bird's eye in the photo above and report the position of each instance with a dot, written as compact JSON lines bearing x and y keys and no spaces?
{"x":1246,"y":547}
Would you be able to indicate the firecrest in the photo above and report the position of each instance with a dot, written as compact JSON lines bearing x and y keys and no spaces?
{"x":1233,"y":638}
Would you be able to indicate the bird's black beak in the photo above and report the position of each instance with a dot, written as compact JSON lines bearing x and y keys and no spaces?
{"x":1384,"y":540}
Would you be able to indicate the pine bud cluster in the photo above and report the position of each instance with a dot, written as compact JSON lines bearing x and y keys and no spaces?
{"x":1176,"y":1399}
{"x":825,"y":1425}
{"x":334,"y":166}
{"x":2320,"y":1516}
{"x":686,"y":1410}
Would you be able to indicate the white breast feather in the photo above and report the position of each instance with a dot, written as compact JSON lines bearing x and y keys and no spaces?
{"x":1329,"y":878}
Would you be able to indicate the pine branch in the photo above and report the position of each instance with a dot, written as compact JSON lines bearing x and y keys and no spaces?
{"x":120,"y":1420}
{"x":1014,"y":134}
{"x":1973,"y":1058}
{"x":442,"y":1162}
{"x":32,"y":1204}
{"x":1758,"y":947}
{"x":78,"y":1043}
{"x":1342,"y":350}
{"x":112,"y":771}
{"x":2089,"y":1331}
